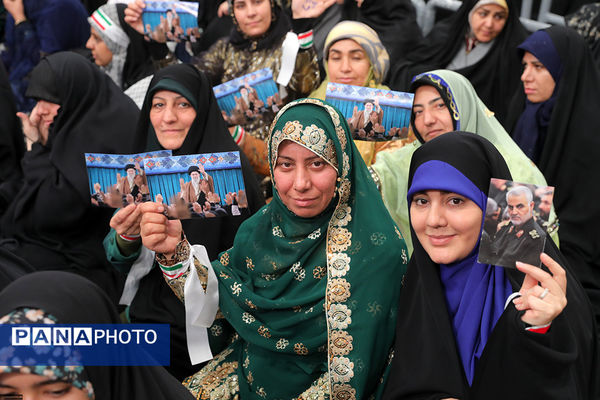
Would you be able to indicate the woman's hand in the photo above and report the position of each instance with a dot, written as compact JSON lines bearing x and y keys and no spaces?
{"x":30,"y":125}
{"x":127,"y":220}
{"x":16,"y":9}
{"x":223,"y":9}
{"x":310,"y":8}
{"x":542,"y":303}
{"x":133,"y":15}
{"x":159,"y":233}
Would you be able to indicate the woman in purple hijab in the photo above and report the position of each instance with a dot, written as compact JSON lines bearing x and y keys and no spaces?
{"x":468,"y":330}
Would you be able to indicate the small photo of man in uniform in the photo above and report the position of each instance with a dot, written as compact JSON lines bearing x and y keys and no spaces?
{"x":521,"y":235}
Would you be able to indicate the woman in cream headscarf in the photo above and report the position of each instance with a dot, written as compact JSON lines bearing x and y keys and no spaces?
{"x":467,"y":113}
{"x":354,"y":55}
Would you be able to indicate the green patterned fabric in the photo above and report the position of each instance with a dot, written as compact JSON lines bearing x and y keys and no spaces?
{"x":312,"y":295}
{"x":471,"y":115}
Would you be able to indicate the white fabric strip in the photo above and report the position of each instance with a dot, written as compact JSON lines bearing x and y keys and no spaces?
{"x":140,"y":268}
{"x":200,"y":306}
{"x":289,"y":51}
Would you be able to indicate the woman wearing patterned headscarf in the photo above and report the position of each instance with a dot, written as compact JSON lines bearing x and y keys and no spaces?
{"x":354,"y":55}
{"x":456,"y":101}
{"x":292,"y":287}
{"x":62,"y":298}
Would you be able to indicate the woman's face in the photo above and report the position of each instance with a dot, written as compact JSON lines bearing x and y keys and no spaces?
{"x":305,"y":182}
{"x":348,"y":63}
{"x":487,"y":22}
{"x":102,"y":55}
{"x":38,"y":387}
{"x":447,"y":224}
{"x":171,"y":116}
{"x":537,"y":80}
{"x":253,"y":16}
{"x":432,"y":117}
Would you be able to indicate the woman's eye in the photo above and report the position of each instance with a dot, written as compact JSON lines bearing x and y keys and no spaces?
{"x":420,"y":201}
{"x":184,"y":105}
{"x":441,"y":104}
{"x":157,"y":105}
{"x":417,"y":112}
{"x":318,"y":164}
{"x":455,"y":201}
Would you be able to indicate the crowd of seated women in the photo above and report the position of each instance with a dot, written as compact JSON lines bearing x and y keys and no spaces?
{"x":350,"y":268}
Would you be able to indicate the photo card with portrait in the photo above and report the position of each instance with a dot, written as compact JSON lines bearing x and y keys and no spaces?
{"x":117,"y":180}
{"x":198,"y":185}
{"x":372,"y":114}
{"x":173,"y":21}
{"x":516,"y":223}
{"x":251,"y":96}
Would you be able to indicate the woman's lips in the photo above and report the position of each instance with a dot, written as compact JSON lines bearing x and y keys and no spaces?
{"x":440,"y":240}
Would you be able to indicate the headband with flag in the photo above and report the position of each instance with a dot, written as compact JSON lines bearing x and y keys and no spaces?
{"x":106,"y":27}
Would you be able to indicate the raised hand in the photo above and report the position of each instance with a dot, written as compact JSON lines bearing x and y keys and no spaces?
{"x":159,"y":233}
{"x":310,"y":8}
{"x":133,"y":15}
{"x":544,"y":301}
{"x":126,"y":221}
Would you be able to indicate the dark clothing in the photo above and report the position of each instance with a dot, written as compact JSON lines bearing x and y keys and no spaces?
{"x":569,"y":156}
{"x":511,"y":244}
{"x":495,"y":77}
{"x":515,"y":363}
{"x":73,"y":300}
{"x":138,"y":63}
{"x":44,"y":32}
{"x":155,"y":302}
{"x":51,"y":222}
{"x":12,"y":143}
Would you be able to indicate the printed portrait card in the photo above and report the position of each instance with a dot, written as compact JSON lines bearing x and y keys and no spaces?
{"x":198,"y":185}
{"x":117,"y":180}
{"x":251,"y":96}
{"x":372,"y":114}
{"x":516,"y":224}
{"x":173,"y":21}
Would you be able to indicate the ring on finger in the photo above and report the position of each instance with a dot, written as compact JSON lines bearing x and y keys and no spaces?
{"x":544,"y":293}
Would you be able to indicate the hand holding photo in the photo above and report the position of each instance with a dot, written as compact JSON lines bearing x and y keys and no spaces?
{"x":172,"y":21}
{"x":198,"y":185}
{"x":373,"y":114}
{"x":515,"y":223}
{"x":242,"y":100}
{"x":117,"y":180}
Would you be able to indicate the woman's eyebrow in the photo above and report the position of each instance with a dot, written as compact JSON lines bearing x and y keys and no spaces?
{"x":50,"y":382}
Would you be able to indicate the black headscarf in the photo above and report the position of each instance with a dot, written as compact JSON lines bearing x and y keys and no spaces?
{"x":138,"y":63}
{"x":154,"y":300}
{"x":569,"y":156}
{"x":74,"y":300}
{"x":493,"y":76}
{"x":12,"y":143}
{"x":280,"y":25}
{"x":515,"y":363}
{"x":50,"y":222}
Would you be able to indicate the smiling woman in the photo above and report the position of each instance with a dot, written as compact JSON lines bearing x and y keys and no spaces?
{"x":171,"y":115}
{"x":478,"y":42}
{"x":468,"y":330}
{"x":287,"y":285}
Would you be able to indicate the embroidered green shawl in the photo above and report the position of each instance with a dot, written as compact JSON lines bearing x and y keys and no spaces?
{"x":313,"y":300}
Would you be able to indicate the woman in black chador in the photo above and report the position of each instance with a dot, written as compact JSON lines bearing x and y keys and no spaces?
{"x":473,"y":331}
{"x":478,"y":41}
{"x":50,"y":223}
